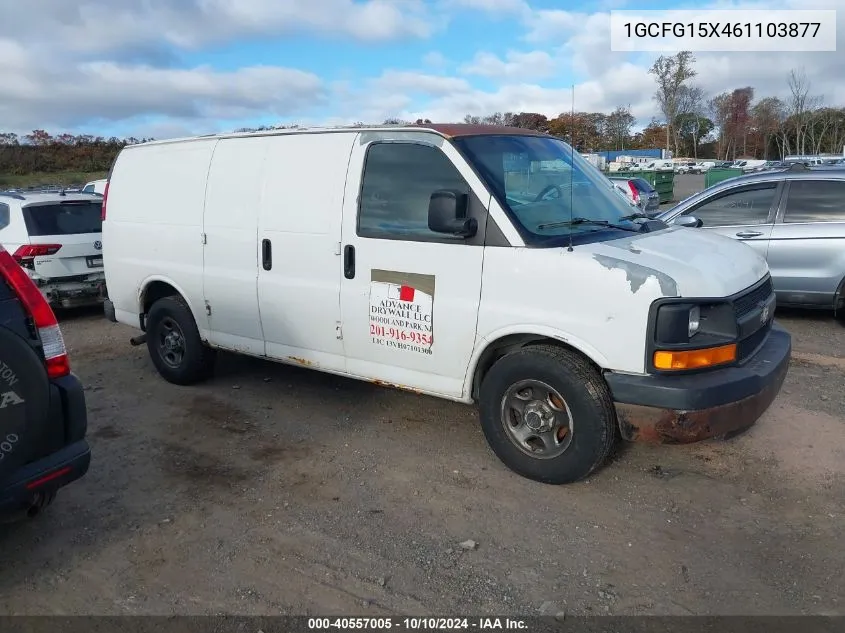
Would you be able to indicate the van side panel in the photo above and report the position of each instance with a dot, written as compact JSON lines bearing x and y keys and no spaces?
{"x":233,"y":197}
{"x":300,"y":216}
{"x":153,"y":227}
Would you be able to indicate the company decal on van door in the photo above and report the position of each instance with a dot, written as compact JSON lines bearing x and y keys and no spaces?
{"x":402,"y":310}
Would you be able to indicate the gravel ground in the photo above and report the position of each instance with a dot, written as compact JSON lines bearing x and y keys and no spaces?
{"x":275,"y":489}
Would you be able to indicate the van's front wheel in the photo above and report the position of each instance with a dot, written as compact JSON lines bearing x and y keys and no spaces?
{"x":174,"y":343}
{"x":547,"y":414}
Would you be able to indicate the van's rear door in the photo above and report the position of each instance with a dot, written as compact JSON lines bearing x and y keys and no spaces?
{"x":65,"y":238}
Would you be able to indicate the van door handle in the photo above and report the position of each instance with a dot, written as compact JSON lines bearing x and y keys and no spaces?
{"x":349,"y":261}
{"x":749,"y":234}
{"x":266,"y":254}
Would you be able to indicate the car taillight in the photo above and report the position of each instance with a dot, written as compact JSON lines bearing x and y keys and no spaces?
{"x":55,"y":353}
{"x":26,"y":254}
{"x":635,"y":194}
{"x":105,"y":199}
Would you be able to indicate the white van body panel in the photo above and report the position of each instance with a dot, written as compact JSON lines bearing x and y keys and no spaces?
{"x":230,"y":256}
{"x":454,"y":271}
{"x":158,"y":193}
{"x":607,"y":282}
{"x":300,"y":213}
{"x":241,"y":190}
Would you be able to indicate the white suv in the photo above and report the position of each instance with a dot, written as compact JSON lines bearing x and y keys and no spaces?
{"x":57,"y":238}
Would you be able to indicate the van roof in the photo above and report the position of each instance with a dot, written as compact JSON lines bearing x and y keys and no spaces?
{"x":446,"y":130}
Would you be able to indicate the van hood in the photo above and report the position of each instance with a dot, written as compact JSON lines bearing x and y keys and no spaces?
{"x":686,"y":262}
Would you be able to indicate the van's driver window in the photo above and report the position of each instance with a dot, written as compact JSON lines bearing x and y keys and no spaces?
{"x":399,"y":179}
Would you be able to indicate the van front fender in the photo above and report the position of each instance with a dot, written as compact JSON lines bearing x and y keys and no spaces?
{"x":515,"y":336}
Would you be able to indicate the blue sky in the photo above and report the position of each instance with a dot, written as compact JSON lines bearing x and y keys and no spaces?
{"x":171,"y":67}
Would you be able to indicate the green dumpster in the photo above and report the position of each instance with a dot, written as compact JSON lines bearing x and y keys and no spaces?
{"x":718,"y":175}
{"x":663,"y":181}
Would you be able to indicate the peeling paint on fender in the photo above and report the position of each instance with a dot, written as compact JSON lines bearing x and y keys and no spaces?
{"x":637,"y":274}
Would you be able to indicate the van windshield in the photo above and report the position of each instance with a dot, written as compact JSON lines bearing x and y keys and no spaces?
{"x":65,"y":218}
{"x":543,"y":186}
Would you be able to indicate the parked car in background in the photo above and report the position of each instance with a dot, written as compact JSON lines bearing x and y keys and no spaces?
{"x":684,"y":167}
{"x":749,"y":165}
{"x":794,"y":218}
{"x":57,"y":239}
{"x":640,"y":192}
{"x":42,"y":404}
{"x":96,"y":186}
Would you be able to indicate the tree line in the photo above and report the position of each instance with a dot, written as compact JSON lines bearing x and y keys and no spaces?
{"x":41,"y":152}
{"x":734,"y":124}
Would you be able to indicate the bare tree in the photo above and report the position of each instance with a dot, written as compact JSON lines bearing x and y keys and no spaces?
{"x":691,"y":104}
{"x":801,"y":106}
{"x":719,"y":110}
{"x":671,"y":73}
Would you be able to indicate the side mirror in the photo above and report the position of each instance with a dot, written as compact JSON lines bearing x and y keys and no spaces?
{"x":447,"y":213}
{"x":689,"y":221}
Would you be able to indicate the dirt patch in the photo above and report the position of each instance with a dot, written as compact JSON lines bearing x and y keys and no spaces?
{"x":296,"y":496}
{"x":108,"y":432}
{"x":808,"y":446}
{"x":198,"y":467}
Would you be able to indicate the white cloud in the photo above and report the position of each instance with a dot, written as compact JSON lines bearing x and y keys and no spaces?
{"x":492,"y":6}
{"x":96,"y":26}
{"x":91,"y":61}
{"x":516,"y":65}
{"x":419,"y":83}
{"x":435,"y":59}
{"x":35,"y":96}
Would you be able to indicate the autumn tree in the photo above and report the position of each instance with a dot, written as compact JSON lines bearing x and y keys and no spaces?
{"x":618,"y":127}
{"x":671,"y":74}
{"x":767,"y":117}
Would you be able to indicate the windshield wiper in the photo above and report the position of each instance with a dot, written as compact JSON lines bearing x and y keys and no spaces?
{"x":574,"y":221}
{"x":634,"y":216}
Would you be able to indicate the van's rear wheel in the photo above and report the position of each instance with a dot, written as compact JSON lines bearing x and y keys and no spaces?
{"x":547,"y":414}
{"x":174,"y":343}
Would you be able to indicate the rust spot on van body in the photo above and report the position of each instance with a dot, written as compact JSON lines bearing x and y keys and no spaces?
{"x":300,"y":361}
{"x":669,"y":426}
{"x":382,"y":383}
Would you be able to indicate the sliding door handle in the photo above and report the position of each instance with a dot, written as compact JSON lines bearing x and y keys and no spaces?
{"x":749,"y":234}
{"x":266,"y":254}
{"x":349,"y":261}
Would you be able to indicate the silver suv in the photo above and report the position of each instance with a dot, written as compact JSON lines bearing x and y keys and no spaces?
{"x":796,"y":220}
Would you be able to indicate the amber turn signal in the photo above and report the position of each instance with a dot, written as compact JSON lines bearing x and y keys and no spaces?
{"x":695,"y":358}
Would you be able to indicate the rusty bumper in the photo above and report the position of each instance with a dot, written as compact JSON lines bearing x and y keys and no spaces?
{"x":685,"y":409}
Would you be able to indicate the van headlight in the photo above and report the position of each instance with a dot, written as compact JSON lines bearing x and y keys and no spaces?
{"x":694,"y":321}
{"x":687,"y":335}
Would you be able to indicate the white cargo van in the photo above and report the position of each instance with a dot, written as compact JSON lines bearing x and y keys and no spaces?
{"x":481,"y":264}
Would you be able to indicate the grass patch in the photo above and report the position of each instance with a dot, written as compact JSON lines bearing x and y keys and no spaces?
{"x":60,"y":178}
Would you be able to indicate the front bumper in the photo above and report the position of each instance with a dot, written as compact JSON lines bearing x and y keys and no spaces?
{"x":684,"y":409}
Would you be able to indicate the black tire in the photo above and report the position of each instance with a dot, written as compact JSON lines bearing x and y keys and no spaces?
{"x":196,"y":361}
{"x":24,"y":403}
{"x":594,"y":429}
